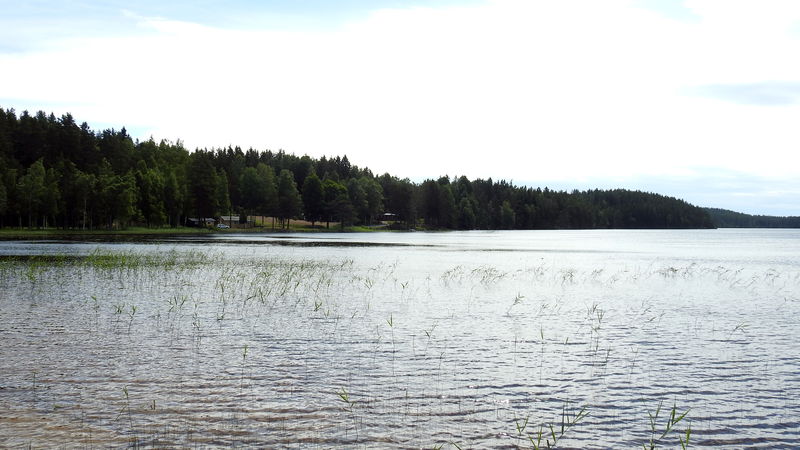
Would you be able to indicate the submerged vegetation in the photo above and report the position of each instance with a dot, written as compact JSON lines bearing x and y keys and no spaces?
{"x":55,"y":173}
{"x":170,"y":348}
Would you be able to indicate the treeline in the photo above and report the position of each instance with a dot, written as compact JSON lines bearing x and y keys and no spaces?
{"x":56,"y":173}
{"x":724,"y":218}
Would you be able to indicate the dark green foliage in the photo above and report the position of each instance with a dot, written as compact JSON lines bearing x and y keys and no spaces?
{"x":259,"y":193}
{"x":269,"y":200}
{"x":289,"y":203}
{"x":52,"y":196}
{"x":374,"y":194}
{"x":313,"y":198}
{"x":84,"y":198}
{"x":56,"y":173}
{"x":447,"y":207}
{"x":116,"y":198}
{"x":13,"y":197}
{"x":358,"y":199}
{"x":507,"y":216}
{"x":729,"y":219}
{"x":151,"y":196}
{"x":31,"y":187}
{"x":466,"y":214}
{"x":252,"y":190}
{"x":301,"y":168}
{"x":223,"y":193}
{"x":401,"y":198}
{"x":3,"y":199}
{"x":429,"y":202}
{"x":173,"y":199}
{"x":124,"y":192}
{"x":338,"y":207}
{"x":203,"y":184}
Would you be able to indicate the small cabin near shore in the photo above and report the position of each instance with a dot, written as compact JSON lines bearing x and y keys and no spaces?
{"x":204,"y":222}
{"x":388,"y":217}
{"x":238,"y":221}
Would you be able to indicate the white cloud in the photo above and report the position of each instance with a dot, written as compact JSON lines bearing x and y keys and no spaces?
{"x":530,"y":91}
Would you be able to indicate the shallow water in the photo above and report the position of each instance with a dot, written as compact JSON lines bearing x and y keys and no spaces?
{"x":402,"y":339}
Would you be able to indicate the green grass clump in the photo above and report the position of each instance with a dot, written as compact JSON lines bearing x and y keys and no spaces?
{"x":657,"y":436}
{"x":110,"y":260}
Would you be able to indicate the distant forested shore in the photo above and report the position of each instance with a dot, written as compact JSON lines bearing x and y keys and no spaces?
{"x":57,"y":173}
{"x":724,"y":218}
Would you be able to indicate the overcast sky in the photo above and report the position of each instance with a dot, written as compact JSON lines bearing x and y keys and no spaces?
{"x":698,"y":99}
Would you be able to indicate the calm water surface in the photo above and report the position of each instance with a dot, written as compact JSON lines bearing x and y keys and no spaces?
{"x":475,"y":339}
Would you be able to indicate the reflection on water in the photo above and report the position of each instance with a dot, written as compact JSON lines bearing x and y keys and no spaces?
{"x":402,"y":340}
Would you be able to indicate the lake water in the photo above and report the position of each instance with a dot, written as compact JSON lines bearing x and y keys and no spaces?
{"x":468,"y":339}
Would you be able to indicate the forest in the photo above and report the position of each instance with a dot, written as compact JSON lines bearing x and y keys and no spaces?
{"x":57,"y":173}
{"x":724,"y":218}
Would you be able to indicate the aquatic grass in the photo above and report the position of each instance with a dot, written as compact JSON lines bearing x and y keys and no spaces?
{"x":488,"y":275}
{"x":126,"y":409}
{"x":451,"y":443}
{"x":345,"y":397}
{"x":105,"y":260}
{"x":548,"y":435}
{"x":568,"y":276}
{"x":740,"y":327}
{"x":657,"y":435}
{"x":517,"y":300}
{"x":131,"y":315}
{"x":245,"y":350}
{"x":177,"y":301}
{"x":33,"y":385}
{"x":278,"y":299}
{"x":33,"y":272}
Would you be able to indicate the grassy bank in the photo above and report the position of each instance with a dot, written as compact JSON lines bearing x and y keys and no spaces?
{"x":49,"y":233}
{"x":57,"y":233}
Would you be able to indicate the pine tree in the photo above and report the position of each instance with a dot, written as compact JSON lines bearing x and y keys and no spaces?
{"x":3,"y":202}
{"x":222,"y":193}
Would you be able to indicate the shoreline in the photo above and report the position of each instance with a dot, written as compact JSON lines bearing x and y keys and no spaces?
{"x":17,"y":234}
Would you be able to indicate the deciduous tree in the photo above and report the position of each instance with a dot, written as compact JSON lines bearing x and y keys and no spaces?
{"x":313,"y":198}
{"x":289,"y":203}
